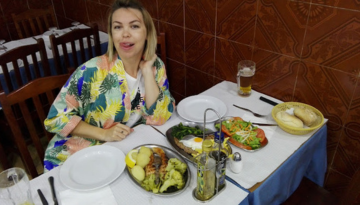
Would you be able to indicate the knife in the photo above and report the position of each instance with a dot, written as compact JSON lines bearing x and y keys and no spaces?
{"x":51,"y":181}
{"x":268,"y":101}
{"x":42,"y":197}
{"x":158,"y":131}
{"x":263,"y":124}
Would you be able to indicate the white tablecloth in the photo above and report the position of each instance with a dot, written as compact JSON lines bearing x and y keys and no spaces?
{"x":126,"y":192}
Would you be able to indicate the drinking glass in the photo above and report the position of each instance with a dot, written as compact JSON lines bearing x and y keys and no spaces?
{"x":206,"y":168}
{"x":245,"y":74}
{"x":15,"y":187}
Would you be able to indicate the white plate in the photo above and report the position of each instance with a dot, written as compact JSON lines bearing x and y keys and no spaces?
{"x":192,"y":108}
{"x":92,"y":168}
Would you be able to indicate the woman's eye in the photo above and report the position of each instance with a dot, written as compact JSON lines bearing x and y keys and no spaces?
{"x":135,"y":26}
{"x":117,"y":27}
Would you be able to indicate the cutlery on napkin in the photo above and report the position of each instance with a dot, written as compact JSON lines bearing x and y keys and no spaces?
{"x":268,"y":101}
{"x":51,"y":181}
{"x":42,"y":197}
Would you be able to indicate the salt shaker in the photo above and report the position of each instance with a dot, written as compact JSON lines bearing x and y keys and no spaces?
{"x":236,"y":163}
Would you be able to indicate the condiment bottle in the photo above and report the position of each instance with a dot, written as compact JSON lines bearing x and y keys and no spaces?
{"x":219,"y":148}
{"x":206,"y":165}
{"x":236,"y":163}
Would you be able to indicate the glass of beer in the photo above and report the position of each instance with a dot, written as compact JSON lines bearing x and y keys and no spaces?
{"x":246,"y":71}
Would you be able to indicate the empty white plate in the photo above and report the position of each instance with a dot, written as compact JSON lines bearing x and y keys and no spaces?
{"x":192,"y":108}
{"x":92,"y":168}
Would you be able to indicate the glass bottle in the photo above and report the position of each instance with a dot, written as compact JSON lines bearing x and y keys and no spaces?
{"x":220,"y":160}
{"x":205,"y":173}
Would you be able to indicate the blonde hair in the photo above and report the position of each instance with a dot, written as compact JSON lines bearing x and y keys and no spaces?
{"x":151,"y":36}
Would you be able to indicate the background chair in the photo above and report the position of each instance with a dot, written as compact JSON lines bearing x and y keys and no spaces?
{"x":33,"y":64}
{"x":72,"y":48}
{"x":34,"y":21}
{"x":32,"y":93}
{"x":161,"y":47}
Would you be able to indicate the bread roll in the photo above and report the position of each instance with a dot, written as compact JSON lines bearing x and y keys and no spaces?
{"x":290,"y":120}
{"x":306,"y":115}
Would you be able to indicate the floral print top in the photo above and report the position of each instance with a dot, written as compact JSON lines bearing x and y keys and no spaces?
{"x":97,"y":93}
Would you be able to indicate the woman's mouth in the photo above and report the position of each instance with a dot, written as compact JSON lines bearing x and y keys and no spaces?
{"x":126,"y":46}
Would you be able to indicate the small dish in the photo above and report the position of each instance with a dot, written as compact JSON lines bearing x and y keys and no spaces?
{"x":170,"y":154}
{"x":262,"y":144}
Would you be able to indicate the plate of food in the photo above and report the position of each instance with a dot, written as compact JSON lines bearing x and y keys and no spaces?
{"x":186,"y":138}
{"x":158,"y":170}
{"x":242,"y":134}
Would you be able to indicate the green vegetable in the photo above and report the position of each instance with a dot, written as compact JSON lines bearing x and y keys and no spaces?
{"x":149,"y":184}
{"x":180,"y":131}
{"x":172,"y":178}
{"x":176,"y":164}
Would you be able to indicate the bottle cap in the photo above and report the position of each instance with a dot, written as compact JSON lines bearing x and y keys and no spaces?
{"x":236,"y":156}
{"x":217,"y":137}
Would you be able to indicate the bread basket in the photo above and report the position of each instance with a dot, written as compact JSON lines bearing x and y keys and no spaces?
{"x":294,"y":130}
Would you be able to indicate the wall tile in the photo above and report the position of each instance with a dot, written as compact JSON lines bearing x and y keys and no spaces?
{"x":236,"y":20}
{"x":151,"y":7}
{"x":106,"y":2}
{"x":348,"y":4}
{"x":171,"y":11}
{"x":227,"y":56}
{"x":98,"y":14}
{"x":352,"y":121}
{"x":199,"y":51}
{"x":275,"y":74}
{"x":59,"y":8}
{"x":200,"y":15}
{"x":281,"y":25}
{"x":13,"y":6}
{"x":326,"y":89}
{"x":76,"y":10}
{"x":39,"y":4}
{"x":197,"y":81}
{"x":332,"y":38}
{"x":333,"y":137}
{"x":174,"y":41}
{"x":177,"y":77}
{"x":336,"y":183}
{"x":347,"y":156}
{"x":178,"y":97}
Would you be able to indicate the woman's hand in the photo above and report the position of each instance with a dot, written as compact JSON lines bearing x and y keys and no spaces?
{"x":146,"y":66}
{"x":116,"y":133}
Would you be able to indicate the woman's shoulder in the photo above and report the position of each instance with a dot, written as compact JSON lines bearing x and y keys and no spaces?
{"x":159,"y":63}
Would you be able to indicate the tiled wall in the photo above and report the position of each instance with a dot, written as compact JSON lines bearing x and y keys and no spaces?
{"x":305,"y":50}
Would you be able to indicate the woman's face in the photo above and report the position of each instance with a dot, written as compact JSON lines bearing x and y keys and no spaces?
{"x":129,"y":33}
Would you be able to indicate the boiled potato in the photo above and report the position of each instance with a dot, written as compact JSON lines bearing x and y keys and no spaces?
{"x":145,"y":150}
{"x":138,"y":172}
{"x":142,"y":159}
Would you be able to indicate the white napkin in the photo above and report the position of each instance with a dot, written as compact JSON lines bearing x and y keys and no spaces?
{"x":102,"y":196}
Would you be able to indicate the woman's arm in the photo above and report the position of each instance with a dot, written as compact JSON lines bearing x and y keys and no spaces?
{"x":151,"y":87}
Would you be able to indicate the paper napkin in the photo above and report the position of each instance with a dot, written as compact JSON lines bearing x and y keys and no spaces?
{"x":103,"y":196}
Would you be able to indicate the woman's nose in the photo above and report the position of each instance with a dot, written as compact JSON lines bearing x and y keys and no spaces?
{"x":126,"y":33}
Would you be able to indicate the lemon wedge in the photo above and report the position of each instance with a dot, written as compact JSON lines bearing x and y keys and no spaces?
{"x":130,"y":158}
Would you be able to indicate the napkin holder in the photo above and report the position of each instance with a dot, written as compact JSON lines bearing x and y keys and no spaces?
{"x":218,"y":189}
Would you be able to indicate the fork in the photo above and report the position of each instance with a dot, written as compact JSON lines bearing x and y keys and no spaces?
{"x":254,"y":113}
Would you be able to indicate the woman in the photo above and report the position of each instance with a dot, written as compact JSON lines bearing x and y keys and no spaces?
{"x":105,"y":96}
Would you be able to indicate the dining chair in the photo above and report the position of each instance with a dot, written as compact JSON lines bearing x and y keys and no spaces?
{"x":37,"y":93}
{"x":24,"y":63}
{"x":71,"y":49}
{"x":161,"y":47}
{"x":34,"y":21}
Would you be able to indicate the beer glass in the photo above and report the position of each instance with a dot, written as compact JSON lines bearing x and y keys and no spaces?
{"x":245,"y":74}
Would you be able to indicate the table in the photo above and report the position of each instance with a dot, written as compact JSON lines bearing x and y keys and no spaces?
{"x":272,"y":174}
{"x":31,"y":40}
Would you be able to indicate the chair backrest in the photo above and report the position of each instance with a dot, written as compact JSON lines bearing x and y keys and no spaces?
{"x":161,"y":47}
{"x":35,"y":94}
{"x":22,"y":62}
{"x":73,"y":49}
{"x":34,"y":21}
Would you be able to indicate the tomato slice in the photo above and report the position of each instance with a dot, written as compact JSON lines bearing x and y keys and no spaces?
{"x":260,"y":134}
{"x":239,"y":144}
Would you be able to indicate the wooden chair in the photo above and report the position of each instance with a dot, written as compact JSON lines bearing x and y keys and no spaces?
{"x":28,"y":54}
{"x":31,"y":92}
{"x":161,"y":47}
{"x":75,"y":39}
{"x":34,"y":21}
